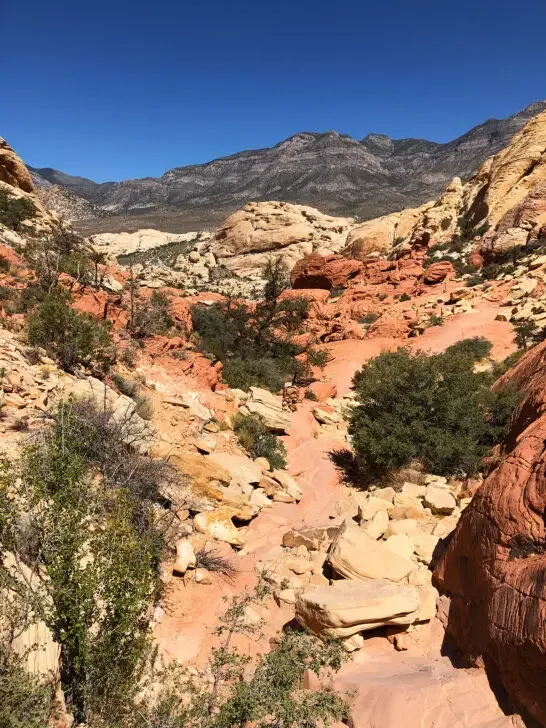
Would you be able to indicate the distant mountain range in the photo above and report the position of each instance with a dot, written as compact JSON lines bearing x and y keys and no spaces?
{"x":330,"y":171}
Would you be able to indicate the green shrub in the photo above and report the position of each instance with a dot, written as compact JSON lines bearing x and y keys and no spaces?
{"x":74,"y":339}
{"x":15,"y":210}
{"x":368,"y":318}
{"x":383,"y":296}
{"x":474,"y":281}
{"x":473,"y":349}
{"x":97,"y":541}
{"x":154,"y":317}
{"x":435,"y":320}
{"x":309,"y":394}
{"x":4,"y":264}
{"x":405,"y":297}
{"x":144,"y":407}
{"x":255,"y":343}
{"x":432,"y":408}
{"x":527,"y":333}
{"x":129,"y":387}
{"x":318,"y":357}
{"x":258,"y":441}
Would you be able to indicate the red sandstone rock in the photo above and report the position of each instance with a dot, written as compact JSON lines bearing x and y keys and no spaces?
{"x":324,"y":271}
{"x":323,"y":390}
{"x":495,"y":565}
{"x":438,"y":272}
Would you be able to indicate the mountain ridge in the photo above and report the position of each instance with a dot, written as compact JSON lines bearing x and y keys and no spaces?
{"x":328,"y":170}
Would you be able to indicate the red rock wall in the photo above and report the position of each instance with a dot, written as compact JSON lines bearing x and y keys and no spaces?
{"x":495,"y":565}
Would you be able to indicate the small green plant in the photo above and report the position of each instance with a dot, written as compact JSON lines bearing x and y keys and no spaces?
{"x":336,"y":291}
{"x":474,"y":281}
{"x":318,"y":357}
{"x":74,"y":339}
{"x":383,"y":296}
{"x":435,"y":320}
{"x":213,"y":560}
{"x":258,"y":441}
{"x":126,"y":386}
{"x":446,"y":222}
{"x":144,"y":407}
{"x":368,"y":318}
{"x":4,"y":264}
{"x":405,"y":297}
{"x":15,"y":210}
{"x":154,"y":318}
{"x":310,"y":395}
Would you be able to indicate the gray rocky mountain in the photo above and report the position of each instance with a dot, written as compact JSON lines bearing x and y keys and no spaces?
{"x":333,"y":172}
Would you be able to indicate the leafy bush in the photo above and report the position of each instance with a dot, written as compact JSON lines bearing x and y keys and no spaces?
{"x":318,"y":357}
{"x":4,"y":264}
{"x":15,"y":210}
{"x":154,"y":318}
{"x":435,"y":320}
{"x":129,"y":387}
{"x":86,"y":497}
{"x":527,"y":333}
{"x":73,"y":338}
{"x":474,"y":349}
{"x":272,"y":696}
{"x":309,"y":394}
{"x":473,"y":281}
{"x":258,"y":441}
{"x":432,"y":408}
{"x":368,"y":318}
{"x":405,"y":297}
{"x":255,"y":343}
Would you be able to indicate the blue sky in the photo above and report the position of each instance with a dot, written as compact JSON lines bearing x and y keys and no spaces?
{"x":113,"y":90}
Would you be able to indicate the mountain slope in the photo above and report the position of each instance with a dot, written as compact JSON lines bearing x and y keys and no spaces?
{"x":331,"y":171}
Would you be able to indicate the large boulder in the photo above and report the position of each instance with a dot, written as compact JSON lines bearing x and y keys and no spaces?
{"x":349,"y":607}
{"x":324,"y":271}
{"x":242,"y":469}
{"x":438,"y":272}
{"x":355,"y":554}
{"x":495,"y":563}
{"x":275,"y":229}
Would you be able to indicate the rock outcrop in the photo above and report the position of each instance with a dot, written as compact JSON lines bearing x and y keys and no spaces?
{"x":324,"y":271}
{"x":12,"y":169}
{"x":495,"y":563}
{"x":349,"y":607}
{"x":249,"y":237}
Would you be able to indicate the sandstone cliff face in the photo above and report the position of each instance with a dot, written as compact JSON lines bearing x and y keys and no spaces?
{"x":495,"y":564}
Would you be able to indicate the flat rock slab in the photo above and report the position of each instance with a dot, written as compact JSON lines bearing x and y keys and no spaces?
{"x":349,"y":607}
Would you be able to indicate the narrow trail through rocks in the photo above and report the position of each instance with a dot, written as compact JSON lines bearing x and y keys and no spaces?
{"x":418,"y":688}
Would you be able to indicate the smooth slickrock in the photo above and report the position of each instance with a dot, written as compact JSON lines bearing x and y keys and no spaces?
{"x":349,"y":607}
{"x":495,"y":562}
{"x":355,"y":555}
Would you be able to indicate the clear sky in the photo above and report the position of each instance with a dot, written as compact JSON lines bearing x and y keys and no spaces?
{"x":113,"y":90}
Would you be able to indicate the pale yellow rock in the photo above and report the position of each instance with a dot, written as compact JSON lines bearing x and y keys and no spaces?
{"x":202,"y":576}
{"x":287,"y":483}
{"x":407,"y":526}
{"x":241,"y":468}
{"x":439,"y":500}
{"x":218,"y":525}
{"x":262,"y":230}
{"x":370,"y":505}
{"x":401,"y":545}
{"x":268,"y":407}
{"x":351,"y":644}
{"x":349,"y":607}
{"x":355,"y":555}
{"x":185,"y":557}
{"x":378,"y":525}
